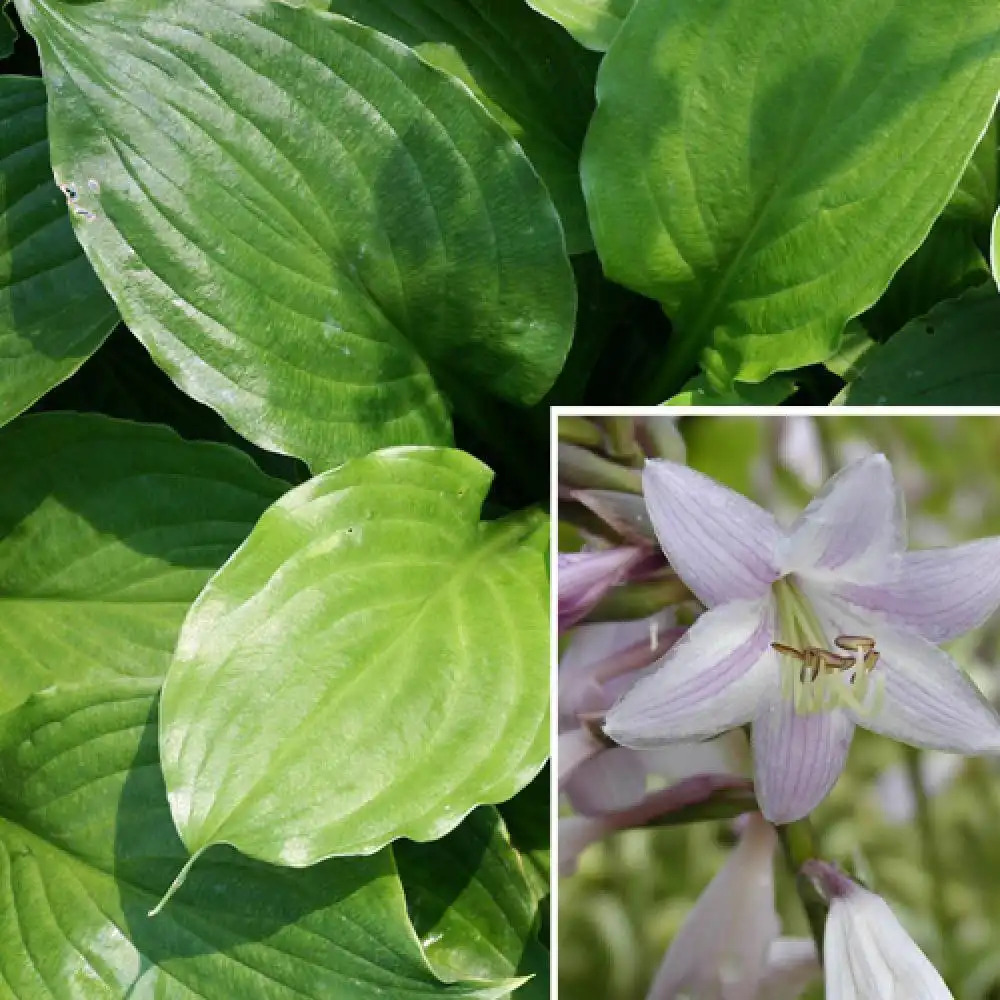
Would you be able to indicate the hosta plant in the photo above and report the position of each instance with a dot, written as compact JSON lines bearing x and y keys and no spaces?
{"x":273,"y":590}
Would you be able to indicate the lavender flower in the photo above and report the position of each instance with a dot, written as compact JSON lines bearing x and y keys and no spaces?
{"x":811,"y":631}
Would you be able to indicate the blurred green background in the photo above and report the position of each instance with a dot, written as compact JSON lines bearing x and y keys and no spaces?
{"x":941,"y":872}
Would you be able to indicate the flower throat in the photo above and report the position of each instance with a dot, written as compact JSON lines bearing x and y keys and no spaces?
{"x":814,"y":677}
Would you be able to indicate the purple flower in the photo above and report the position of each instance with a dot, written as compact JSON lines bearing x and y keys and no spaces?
{"x":811,"y":631}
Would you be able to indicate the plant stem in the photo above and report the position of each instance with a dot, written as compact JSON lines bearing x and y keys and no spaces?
{"x":798,"y":840}
{"x":929,"y":847}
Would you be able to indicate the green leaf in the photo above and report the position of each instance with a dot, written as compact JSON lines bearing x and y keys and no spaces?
{"x":53,"y":311}
{"x":88,"y":846}
{"x":975,"y":198}
{"x":765,"y":177}
{"x":306,"y":224}
{"x":528,"y":822}
{"x":403,"y":647}
{"x":700,"y":392}
{"x":950,"y":357}
{"x":108,"y":531}
{"x":946,"y":264}
{"x":593,"y":23}
{"x":995,"y":248}
{"x":532,"y":78}
{"x":469,"y":899}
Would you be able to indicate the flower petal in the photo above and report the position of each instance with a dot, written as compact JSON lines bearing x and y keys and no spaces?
{"x":925,"y":699}
{"x":575,"y":748}
{"x":576,"y":834}
{"x":626,"y":513}
{"x":585,"y":577}
{"x":853,"y":528}
{"x":722,"y":946}
{"x":792,"y":965}
{"x":711,"y":681}
{"x":720,"y":543}
{"x":797,"y":758}
{"x":610,"y":781}
{"x":868,"y":954}
{"x":940,"y":593}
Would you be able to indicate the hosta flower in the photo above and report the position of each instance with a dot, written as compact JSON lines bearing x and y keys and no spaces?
{"x":867,"y":953}
{"x":585,"y":577}
{"x":811,"y":631}
{"x":726,"y":949}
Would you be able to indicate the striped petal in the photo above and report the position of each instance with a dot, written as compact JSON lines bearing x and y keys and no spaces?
{"x":721,"y":544}
{"x":853,"y":528}
{"x":714,"y":679}
{"x":797,"y":758}
{"x":940,"y":593}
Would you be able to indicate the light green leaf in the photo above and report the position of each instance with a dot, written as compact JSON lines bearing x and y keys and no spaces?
{"x":108,"y":531}
{"x":308,"y":226}
{"x":469,"y":899}
{"x":975,"y":198}
{"x":763,"y":177}
{"x":950,"y":357}
{"x":699,"y":392}
{"x":533,"y":79}
{"x":593,"y":23}
{"x":53,"y":311}
{"x":403,"y":649}
{"x":88,"y":846}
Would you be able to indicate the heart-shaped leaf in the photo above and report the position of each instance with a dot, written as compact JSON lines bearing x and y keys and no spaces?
{"x":470,"y":901}
{"x":88,"y":846}
{"x":53,"y":311}
{"x":593,"y":23}
{"x":308,"y":226}
{"x":950,"y":357}
{"x":533,"y":79}
{"x":108,"y":531}
{"x":764,"y":177}
{"x":400,"y":648}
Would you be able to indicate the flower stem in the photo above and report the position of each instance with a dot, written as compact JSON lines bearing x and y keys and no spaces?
{"x":929,"y":847}
{"x":798,"y":840}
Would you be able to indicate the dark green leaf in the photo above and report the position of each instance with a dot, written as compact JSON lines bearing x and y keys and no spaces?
{"x":469,"y":899}
{"x":53,"y":311}
{"x":302,"y":220}
{"x":950,"y":357}
{"x":88,"y":846}
{"x":108,"y":531}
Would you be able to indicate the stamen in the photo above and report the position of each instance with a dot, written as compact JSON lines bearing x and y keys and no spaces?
{"x":814,"y":687}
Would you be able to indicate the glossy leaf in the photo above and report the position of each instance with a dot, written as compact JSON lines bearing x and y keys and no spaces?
{"x":533,"y":79}
{"x":593,"y":23}
{"x":403,"y":649}
{"x":950,"y":357}
{"x":308,"y":226}
{"x":469,"y":899}
{"x":108,"y":531}
{"x":88,"y":845}
{"x":764,"y":177}
{"x":527,"y":819}
{"x":53,"y":311}
{"x":8,"y":35}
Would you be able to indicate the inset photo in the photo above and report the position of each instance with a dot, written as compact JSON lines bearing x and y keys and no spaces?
{"x":777,"y":688}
